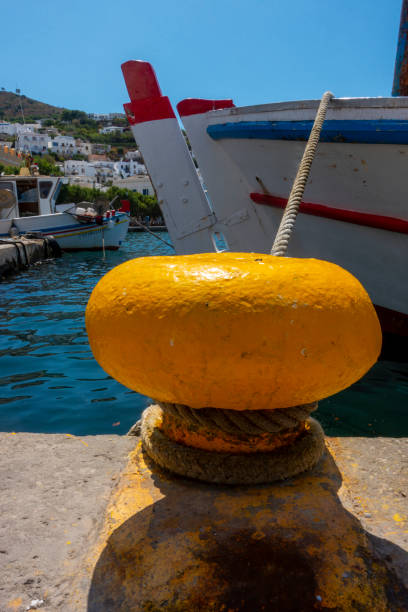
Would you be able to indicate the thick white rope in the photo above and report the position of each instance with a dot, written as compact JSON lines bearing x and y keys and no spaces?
{"x":284,"y":232}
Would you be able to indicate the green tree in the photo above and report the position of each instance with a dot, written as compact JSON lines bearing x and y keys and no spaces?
{"x":8,"y":169}
{"x":47,"y":166}
{"x":139,"y":204}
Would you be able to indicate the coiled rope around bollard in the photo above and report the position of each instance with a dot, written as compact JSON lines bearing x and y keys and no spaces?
{"x":294,"y":451}
{"x":287,"y":223}
{"x":235,"y":422}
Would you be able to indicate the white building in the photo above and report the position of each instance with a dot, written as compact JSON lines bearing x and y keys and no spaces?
{"x":63,"y":145}
{"x":73,"y":167}
{"x":106,"y":170}
{"x":140,"y":183}
{"x":84,"y":148}
{"x":16,"y":128}
{"x":85,"y":181}
{"x":110,"y":129}
{"x":126,"y":168}
{"x":106,"y":116}
{"x":135,"y":155}
{"x":7,"y":128}
{"x":32,"y":142}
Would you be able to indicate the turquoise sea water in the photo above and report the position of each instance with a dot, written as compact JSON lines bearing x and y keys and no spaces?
{"x":50,"y":382}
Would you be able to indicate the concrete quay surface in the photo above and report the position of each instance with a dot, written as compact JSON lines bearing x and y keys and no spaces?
{"x":65,"y":500}
{"x":53,"y":493}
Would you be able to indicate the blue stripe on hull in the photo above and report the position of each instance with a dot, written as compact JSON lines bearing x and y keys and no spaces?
{"x":62,"y":229}
{"x":378,"y":131}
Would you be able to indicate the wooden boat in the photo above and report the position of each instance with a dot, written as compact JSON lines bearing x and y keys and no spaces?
{"x":28,"y":204}
{"x":354,"y":212}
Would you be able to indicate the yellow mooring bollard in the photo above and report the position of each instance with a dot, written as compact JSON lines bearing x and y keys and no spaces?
{"x":236,"y":349}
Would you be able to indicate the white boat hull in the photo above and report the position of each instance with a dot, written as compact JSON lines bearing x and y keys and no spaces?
{"x":248,"y":158}
{"x":70,"y":234}
{"x":369,"y":179}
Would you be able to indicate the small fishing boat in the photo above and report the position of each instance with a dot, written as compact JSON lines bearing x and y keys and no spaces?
{"x":28,"y":204}
{"x":354,"y":212}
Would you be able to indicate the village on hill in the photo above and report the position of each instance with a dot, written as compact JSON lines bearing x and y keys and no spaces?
{"x":92,"y":151}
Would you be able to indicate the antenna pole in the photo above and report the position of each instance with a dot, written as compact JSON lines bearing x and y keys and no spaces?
{"x":400,"y":85}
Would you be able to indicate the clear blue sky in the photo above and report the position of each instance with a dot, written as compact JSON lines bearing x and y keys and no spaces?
{"x":69,"y":53}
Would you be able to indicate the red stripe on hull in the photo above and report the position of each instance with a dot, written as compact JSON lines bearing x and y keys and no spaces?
{"x":392,"y":224}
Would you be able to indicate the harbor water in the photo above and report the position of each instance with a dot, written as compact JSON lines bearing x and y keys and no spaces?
{"x":50,"y":382}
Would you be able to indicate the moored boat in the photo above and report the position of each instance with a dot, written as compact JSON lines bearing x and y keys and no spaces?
{"x":354,"y":211}
{"x":28,"y":204}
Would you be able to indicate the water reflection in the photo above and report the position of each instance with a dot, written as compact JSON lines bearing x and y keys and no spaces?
{"x":43,"y":341}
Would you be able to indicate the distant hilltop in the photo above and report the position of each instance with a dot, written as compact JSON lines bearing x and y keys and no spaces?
{"x":33,"y":109}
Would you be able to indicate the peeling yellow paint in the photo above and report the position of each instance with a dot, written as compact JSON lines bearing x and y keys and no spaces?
{"x":398,"y":518}
{"x":15,"y":603}
{"x":172,"y":540}
{"x":82,"y":441}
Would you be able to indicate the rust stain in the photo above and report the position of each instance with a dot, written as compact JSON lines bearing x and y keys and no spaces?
{"x":170,"y":543}
{"x":197,"y":436}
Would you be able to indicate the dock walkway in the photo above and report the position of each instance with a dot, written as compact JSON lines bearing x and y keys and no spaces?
{"x":55,"y":489}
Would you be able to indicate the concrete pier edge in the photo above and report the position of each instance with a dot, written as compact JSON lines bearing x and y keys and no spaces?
{"x":57,"y":491}
{"x":18,"y":254}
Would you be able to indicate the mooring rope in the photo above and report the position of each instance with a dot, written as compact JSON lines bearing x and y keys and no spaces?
{"x":238,"y":422}
{"x":287,"y":223}
{"x":146,"y":229}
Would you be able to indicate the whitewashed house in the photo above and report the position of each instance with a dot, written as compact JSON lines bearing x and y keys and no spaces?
{"x":85,"y":181}
{"x":73,"y":167}
{"x":63,"y":145}
{"x":32,"y":142}
{"x":139,"y":183}
{"x":12,"y":129}
{"x":84,"y":148}
{"x":111,"y":129}
{"x":99,"y":116}
{"x":135,"y":155}
{"x":104,"y":170}
{"x":7,"y":128}
{"x":106,"y":116}
{"x":125,"y":168}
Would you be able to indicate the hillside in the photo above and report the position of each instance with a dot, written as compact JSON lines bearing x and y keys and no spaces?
{"x":33,"y":109}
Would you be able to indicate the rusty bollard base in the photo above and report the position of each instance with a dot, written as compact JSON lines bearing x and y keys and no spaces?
{"x":170,"y":543}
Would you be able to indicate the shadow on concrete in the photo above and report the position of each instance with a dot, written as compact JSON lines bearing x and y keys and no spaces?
{"x":290,"y":547}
